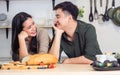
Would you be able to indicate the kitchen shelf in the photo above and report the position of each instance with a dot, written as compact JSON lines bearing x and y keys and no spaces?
{"x":5,"y":27}
{"x":43,"y":26}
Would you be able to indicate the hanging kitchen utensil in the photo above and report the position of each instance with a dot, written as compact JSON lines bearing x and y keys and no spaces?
{"x":110,"y":10}
{"x":106,"y":17}
{"x":101,"y":3}
{"x":91,"y":14}
{"x":100,"y":17}
{"x":7,"y":29}
{"x":3,"y":19}
{"x":53,"y":4}
{"x":7,"y":3}
{"x":116,"y":16}
{"x":95,"y":11}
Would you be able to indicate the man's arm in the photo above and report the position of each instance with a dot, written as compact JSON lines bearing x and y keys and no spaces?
{"x":78,"y":60}
{"x":91,"y":49}
{"x":91,"y":43}
{"x":55,"y":48}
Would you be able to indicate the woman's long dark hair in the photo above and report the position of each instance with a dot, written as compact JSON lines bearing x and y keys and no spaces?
{"x":17,"y":27}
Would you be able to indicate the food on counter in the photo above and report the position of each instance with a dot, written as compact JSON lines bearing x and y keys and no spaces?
{"x":37,"y":61}
{"x":105,"y":64}
{"x":97,"y":64}
{"x":117,"y":56}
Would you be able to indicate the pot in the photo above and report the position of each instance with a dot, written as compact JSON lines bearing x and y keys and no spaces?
{"x":116,"y":16}
{"x":110,"y":10}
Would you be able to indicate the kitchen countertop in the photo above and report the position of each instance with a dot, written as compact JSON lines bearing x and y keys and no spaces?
{"x":61,"y":69}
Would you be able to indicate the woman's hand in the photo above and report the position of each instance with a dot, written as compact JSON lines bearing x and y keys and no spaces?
{"x":23,"y":35}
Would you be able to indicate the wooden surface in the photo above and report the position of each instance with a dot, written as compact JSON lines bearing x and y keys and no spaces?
{"x":61,"y":69}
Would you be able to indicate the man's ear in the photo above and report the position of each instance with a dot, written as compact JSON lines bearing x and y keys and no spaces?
{"x":70,"y":17}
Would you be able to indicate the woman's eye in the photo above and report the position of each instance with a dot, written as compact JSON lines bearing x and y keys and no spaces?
{"x":29,"y":27}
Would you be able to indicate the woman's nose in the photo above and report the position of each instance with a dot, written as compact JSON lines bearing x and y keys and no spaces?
{"x":34,"y":27}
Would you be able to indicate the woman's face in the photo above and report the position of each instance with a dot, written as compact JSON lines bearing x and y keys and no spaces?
{"x":30,"y":27}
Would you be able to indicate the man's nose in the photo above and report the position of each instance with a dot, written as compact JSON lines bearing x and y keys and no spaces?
{"x":55,"y":20}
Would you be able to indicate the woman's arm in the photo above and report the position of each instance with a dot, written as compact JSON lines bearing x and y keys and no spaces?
{"x":43,"y":40}
{"x":22,"y":44}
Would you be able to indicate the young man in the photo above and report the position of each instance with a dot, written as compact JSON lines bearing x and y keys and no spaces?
{"x":76,"y":38}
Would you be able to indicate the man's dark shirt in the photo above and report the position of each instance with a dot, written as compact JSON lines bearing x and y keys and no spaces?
{"x":84,"y":43}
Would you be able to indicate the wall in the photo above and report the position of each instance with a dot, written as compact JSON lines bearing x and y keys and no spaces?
{"x":108,"y":34}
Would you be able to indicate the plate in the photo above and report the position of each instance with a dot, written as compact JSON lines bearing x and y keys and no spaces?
{"x":106,"y":68}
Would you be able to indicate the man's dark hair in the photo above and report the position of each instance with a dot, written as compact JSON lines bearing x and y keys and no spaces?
{"x":69,"y":7}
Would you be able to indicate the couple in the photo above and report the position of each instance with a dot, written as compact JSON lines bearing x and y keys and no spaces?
{"x":76,"y":38}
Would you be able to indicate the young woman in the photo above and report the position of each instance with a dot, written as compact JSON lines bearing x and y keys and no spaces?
{"x":27,"y":39}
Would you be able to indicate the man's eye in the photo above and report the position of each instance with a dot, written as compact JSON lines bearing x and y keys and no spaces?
{"x":33,"y":23}
{"x":57,"y":17}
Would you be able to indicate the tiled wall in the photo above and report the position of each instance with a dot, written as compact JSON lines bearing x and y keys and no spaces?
{"x":108,"y":34}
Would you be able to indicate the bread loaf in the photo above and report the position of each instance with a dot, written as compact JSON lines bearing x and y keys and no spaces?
{"x":37,"y":59}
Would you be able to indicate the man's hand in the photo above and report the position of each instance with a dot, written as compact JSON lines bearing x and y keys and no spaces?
{"x":57,"y":30}
{"x":77,"y":60}
{"x":66,"y":61}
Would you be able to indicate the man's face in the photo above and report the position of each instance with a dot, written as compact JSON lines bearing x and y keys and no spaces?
{"x":61,"y":20}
